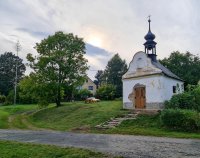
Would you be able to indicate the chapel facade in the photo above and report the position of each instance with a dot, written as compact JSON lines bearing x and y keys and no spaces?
{"x":148,"y":84}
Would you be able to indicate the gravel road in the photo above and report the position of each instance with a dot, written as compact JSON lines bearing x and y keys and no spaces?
{"x":120,"y":145}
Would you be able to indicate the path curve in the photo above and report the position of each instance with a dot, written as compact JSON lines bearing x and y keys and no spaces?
{"x":120,"y":145}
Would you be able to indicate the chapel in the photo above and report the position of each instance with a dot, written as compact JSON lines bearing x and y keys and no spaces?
{"x":148,"y":84}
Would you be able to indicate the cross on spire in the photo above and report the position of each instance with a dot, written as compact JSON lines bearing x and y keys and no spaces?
{"x":149,"y":22}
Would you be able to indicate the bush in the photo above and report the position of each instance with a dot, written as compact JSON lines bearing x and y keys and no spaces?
{"x":186,"y":100}
{"x":182,"y":101}
{"x":106,"y":92}
{"x":185,"y":120}
{"x":43,"y":103}
{"x":82,"y":94}
{"x":2,"y":99}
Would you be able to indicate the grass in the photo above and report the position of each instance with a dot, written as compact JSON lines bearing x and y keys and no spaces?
{"x":26,"y":150}
{"x":81,"y":117}
{"x":77,"y":115}
{"x":6,"y":113}
{"x":149,"y":125}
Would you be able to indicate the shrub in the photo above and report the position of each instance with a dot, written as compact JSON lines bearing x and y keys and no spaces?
{"x":196,"y":94}
{"x":2,"y":99}
{"x":82,"y":94}
{"x":182,"y":101}
{"x":186,"y":100}
{"x":185,"y":120}
{"x":106,"y":92}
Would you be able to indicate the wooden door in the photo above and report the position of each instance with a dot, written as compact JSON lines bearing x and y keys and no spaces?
{"x":140,"y":97}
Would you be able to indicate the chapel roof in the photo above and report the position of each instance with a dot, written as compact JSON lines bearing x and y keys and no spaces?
{"x":165,"y":70}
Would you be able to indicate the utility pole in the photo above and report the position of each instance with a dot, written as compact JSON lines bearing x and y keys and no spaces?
{"x":18,"y":48}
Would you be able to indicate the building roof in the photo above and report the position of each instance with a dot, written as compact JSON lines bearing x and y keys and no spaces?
{"x":165,"y":71}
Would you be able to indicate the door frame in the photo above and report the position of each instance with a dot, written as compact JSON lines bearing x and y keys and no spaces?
{"x":136,"y":87}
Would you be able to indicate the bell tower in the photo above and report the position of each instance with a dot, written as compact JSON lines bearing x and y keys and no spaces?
{"x":150,"y":44}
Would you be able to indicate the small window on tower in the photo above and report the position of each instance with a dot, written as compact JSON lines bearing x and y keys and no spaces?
{"x":174,"y":89}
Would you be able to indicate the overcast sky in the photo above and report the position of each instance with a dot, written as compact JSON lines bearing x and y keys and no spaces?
{"x":108,"y":26}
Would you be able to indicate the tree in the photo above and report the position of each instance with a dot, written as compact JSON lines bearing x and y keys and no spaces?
{"x":60,"y":62}
{"x":33,"y":89}
{"x":186,"y":66}
{"x":98,"y":77}
{"x":8,"y":62}
{"x":106,"y":92}
{"x":113,"y":73}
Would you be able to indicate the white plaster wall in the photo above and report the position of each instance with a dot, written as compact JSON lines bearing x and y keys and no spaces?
{"x":168,"y":86}
{"x":154,"y":88}
{"x":159,"y":88}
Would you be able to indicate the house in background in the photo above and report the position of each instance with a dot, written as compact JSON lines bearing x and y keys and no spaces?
{"x":148,"y":84}
{"x":89,"y":85}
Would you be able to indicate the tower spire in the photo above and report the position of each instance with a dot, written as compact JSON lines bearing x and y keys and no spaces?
{"x":150,"y":44}
{"x":149,"y":20}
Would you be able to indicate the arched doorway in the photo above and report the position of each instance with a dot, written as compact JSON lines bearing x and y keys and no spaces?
{"x":140,"y":96}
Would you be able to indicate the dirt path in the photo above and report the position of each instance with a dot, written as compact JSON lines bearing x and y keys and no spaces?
{"x":124,"y":145}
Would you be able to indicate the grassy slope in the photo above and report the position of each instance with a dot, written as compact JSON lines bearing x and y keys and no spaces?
{"x":7,"y":111}
{"x":77,"y":115}
{"x":149,"y":125}
{"x":24,"y":150}
{"x":81,"y":116}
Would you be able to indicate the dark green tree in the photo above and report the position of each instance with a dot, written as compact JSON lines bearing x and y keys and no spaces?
{"x":60,"y":62}
{"x":98,"y":77}
{"x":184,"y":65}
{"x":8,"y":63}
{"x":113,"y":73}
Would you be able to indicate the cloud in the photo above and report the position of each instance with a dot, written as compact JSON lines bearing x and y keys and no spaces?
{"x":120,"y":25}
{"x":33,"y":33}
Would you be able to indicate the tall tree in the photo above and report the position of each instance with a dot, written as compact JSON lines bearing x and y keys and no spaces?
{"x":113,"y":73}
{"x":98,"y":77}
{"x":8,"y":63}
{"x":60,"y":62}
{"x":184,"y":65}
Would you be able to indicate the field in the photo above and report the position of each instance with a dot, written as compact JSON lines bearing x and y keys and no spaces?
{"x":81,"y":117}
{"x":26,"y":150}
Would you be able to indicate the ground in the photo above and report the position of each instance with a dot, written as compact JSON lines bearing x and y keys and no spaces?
{"x":119,"y":145}
{"x":81,"y":117}
{"x":26,"y":150}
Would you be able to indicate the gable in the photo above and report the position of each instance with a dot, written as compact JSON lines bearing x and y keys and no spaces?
{"x":141,"y":65}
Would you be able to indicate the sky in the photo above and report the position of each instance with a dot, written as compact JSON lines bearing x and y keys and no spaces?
{"x":107,"y":26}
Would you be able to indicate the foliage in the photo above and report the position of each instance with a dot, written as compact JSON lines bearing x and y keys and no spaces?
{"x":27,"y":150}
{"x":32,"y":90}
{"x":2,"y":99}
{"x":186,"y":66}
{"x":82,"y":94}
{"x":106,"y":92}
{"x":8,"y":62}
{"x":113,"y":73}
{"x":185,"y":120}
{"x":60,"y":63}
{"x":186,"y":100}
{"x":98,"y":77}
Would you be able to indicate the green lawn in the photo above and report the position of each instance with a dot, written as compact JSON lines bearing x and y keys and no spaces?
{"x":70,"y":116}
{"x":26,"y":150}
{"x":6,"y":113}
{"x":77,"y":115}
{"x":81,"y":117}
